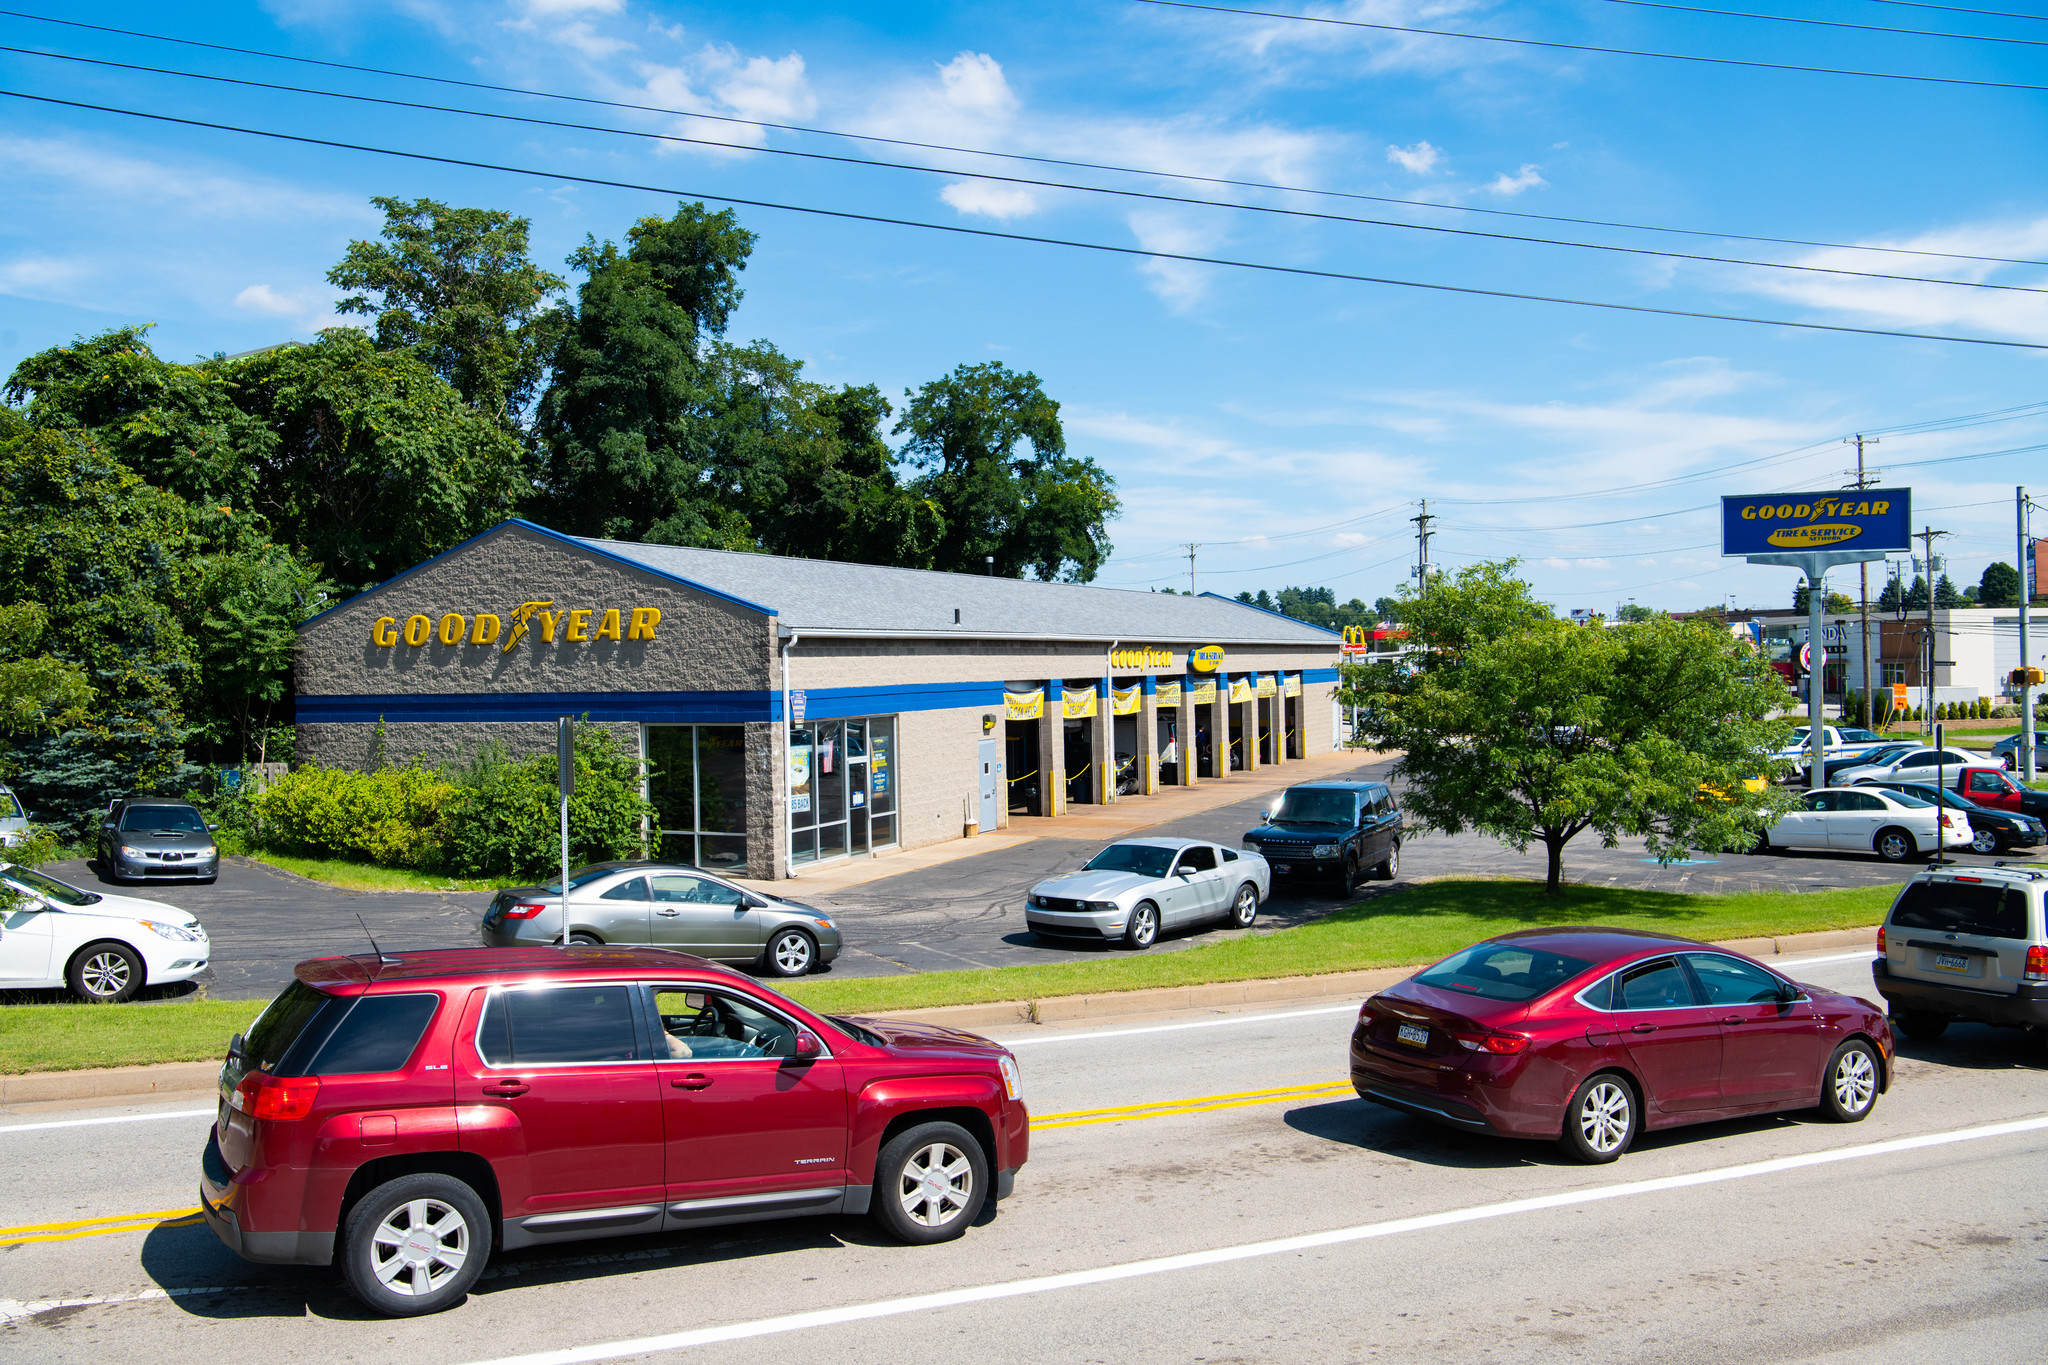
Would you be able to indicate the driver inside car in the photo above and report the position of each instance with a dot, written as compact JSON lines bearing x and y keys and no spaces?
{"x":699,"y":1026}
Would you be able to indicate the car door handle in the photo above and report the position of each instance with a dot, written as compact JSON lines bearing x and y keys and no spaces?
{"x":507,"y":1089}
{"x":1644,"y":1028}
{"x":670,"y":914}
{"x":696,"y":1080}
{"x":1732,"y":1019}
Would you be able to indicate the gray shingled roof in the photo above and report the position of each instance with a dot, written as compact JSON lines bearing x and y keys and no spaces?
{"x":823,"y":595}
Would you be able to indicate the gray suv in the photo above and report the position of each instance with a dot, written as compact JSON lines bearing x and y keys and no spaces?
{"x":1965,"y":943}
{"x":144,"y":838}
{"x":666,"y":905}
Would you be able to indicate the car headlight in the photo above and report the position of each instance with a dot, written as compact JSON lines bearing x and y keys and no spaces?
{"x":1106,"y":907}
{"x":821,"y":921}
{"x":1252,"y":844}
{"x":1326,"y":850}
{"x":1013,"y":1083}
{"x":1038,"y":901}
{"x":127,"y":852}
{"x":174,"y":931}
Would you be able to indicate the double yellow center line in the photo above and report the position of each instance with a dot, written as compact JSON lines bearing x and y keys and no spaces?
{"x":1201,"y":1104}
{"x":98,"y":1227}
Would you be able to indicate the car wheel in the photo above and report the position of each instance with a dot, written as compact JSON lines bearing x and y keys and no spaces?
{"x":1143,"y":926}
{"x":1985,"y":841}
{"x":1245,"y":908}
{"x":1390,"y":866}
{"x":1895,"y":845}
{"x":1350,"y":878}
{"x":790,"y":953}
{"x":1849,"y":1090}
{"x":585,"y":941}
{"x":1763,"y":842}
{"x":1600,"y":1122}
{"x":1921,"y":1026}
{"x":105,"y":973}
{"x":415,"y":1245}
{"x":930,"y":1182}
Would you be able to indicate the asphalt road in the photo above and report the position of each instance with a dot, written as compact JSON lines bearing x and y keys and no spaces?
{"x":964,"y":913}
{"x":1307,"y":1227}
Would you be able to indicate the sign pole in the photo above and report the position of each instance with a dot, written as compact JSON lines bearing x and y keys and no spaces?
{"x":2026,"y":755}
{"x":565,"y":786}
{"x":1816,"y":671}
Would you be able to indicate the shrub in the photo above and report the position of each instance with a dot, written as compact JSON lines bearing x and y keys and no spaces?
{"x":2006,"y":712}
{"x":394,"y":816}
{"x":504,"y":819}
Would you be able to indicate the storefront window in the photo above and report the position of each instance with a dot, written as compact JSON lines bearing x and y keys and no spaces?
{"x":697,"y":780}
{"x":842,"y":788}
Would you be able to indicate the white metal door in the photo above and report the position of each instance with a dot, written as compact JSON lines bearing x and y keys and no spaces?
{"x":991,"y":782}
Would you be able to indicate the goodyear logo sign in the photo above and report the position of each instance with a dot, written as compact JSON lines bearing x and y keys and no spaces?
{"x":578,"y":625}
{"x":1207,"y":659}
{"x":1859,"y":519}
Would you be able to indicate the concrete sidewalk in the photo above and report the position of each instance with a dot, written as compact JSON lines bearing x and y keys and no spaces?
{"x":1128,"y":815}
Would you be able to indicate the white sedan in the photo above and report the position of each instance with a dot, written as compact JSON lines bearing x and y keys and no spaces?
{"x":1137,"y":887}
{"x":1917,"y":765}
{"x":1891,"y":824}
{"x":102,"y":947}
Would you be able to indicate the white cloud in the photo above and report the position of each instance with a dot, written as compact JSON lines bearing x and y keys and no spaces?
{"x":771,"y":89}
{"x":1507,"y":186}
{"x":588,"y":41}
{"x":974,"y":83}
{"x":989,"y":199}
{"x":103,"y":174}
{"x":1420,"y":159}
{"x":262,"y":298}
{"x":1180,"y":285}
{"x":557,"y":9}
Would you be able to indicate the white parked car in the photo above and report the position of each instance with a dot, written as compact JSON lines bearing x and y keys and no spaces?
{"x":1891,"y":824}
{"x":1136,"y":887}
{"x":1836,"y":742}
{"x":102,"y":947}
{"x":13,"y":820}
{"x":1915,"y":765}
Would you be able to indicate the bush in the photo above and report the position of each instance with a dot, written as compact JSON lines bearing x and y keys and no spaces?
{"x":504,"y":819}
{"x":393,"y":816}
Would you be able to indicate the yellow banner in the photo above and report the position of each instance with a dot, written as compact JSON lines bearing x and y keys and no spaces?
{"x":1024,"y":705}
{"x":1267,"y":687}
{"x":1241,"y":689}
{"x":1292,"y":687}
{"x":1169,"y":695}
{"x":1125,"y":701}
{"x":1076,"y":704}
{"x":1201,"y":693}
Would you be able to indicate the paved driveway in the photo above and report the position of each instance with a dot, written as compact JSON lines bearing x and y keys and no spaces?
{"x":964,"y":913}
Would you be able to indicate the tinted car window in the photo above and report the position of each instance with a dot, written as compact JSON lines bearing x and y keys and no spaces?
{"x":633,"y":889}
{"x":1502,"y":971}
{"x":1820,"y":800}
{"x":559,"y":1024}
{"x":377,"y":1035}
{"x":1654,"y":986}
{"x":183,"y":819}
{"x":1316,"y":806}
{"x":1728,"y":982}
{"x":1962,"y":908}
{"x":1858,"y":801}
{"x":1200,"y":859}
{"x":1147,"y":860}
{"x":279,"y":1026}
{"x":9,"y":807}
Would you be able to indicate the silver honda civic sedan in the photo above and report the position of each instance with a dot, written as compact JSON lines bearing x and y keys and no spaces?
{"x":666,"y":905}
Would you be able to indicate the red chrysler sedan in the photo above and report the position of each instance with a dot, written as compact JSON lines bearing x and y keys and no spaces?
{"x":1589,"y":1035}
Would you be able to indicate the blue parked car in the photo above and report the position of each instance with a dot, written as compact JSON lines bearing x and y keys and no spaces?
{"x":2007,"y":750}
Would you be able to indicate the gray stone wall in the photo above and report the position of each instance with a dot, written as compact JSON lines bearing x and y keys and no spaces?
{"x":435,"y":743}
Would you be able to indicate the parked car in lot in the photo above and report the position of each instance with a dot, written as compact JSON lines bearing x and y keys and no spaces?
{"x":1331,"y":831}
{"x":1879,"y":820}
{"x":1836,"y":742}
{"x":1965,"y":944}
{"x":1991,"y":831}
{"x":403,"y":1115}
{"x":666,"y":905}
{"x":143,"y":838}
{"x":1587,"y":1036}
{"x":1915,"y":765}
{"x":13,"y":819}
{"x":101,"y":947}
{"x":1994,"y":787}
{"x":2007,"y":750}
{"x":1136,"y":889}
{"x":1835,"y":767}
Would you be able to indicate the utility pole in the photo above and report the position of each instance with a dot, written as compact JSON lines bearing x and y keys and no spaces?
{"x":1926,"y":539}
{"x":1422,"y":534}
{"x":1864,"y":479}
{"x":1192,"y":547}
{"x":2027,"y":757}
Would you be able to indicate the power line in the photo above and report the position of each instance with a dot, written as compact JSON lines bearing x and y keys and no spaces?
{"x":846,"y":215}
{"x":1830,"y":23}
{"x":1009,"y":156}
{"x":1605,"y":51}
{"x":1958,"y":9}
{"x":1149,"y":195}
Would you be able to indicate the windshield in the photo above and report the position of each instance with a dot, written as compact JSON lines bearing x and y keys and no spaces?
{"x":1316,"y":806}
{"x":10,"y":809}
{"x":581,"y":876}
{"x":1502,"y":971}
{"x":163,"y":818}
{"x":49,"y":888}
{"x":1147,"y":860}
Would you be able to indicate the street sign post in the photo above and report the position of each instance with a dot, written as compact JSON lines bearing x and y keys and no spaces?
{"x":565,"y":787}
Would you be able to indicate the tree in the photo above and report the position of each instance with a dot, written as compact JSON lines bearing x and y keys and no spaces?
{"x":1635,"y":612}
{"x":1945,"y":594}
{"x":1387,"y":608}
{"x":1894,"y":593}
{"x":1513,"y":722}
{"x":1833,"y":603}
{"x":455,"y":288}
{"x":1916,"y":595}
{"x":2000,"y":586}
{"x":993,"y":460}
{"x":38,"y":693}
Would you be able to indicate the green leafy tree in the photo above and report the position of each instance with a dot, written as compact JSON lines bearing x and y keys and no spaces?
{"x":1894,"y":593}
{"x":2000,"y":586}
{"x":993,"y":459}
{"x":38,"y":693}
{"x":1945,"y":594}
{"x":1833,"y":603}
{"x":1636,"y":612}
{"x":1916,"y":595}
{"x":1387,"y":608}
{"x":454,"y":287}
{"x":1513,"y":722}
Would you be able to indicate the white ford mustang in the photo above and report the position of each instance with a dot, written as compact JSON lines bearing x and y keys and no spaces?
{"x":1137,"y":887}
{"x":102,"y":947}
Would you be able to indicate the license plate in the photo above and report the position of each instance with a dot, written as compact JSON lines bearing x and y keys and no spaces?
{"x":1952,"y":962}
{"x":1283,"y":868}
{"x":1415,"y":1034}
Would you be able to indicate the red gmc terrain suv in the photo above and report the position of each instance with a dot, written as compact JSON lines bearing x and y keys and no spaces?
{"x":407,"y":1113}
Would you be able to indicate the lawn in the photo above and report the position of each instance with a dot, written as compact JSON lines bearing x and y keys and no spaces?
{"x":1416,"y":925}
{"x":349,"y":875}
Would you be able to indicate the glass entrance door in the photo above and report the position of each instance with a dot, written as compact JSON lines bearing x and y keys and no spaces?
{"x":856,"y":786}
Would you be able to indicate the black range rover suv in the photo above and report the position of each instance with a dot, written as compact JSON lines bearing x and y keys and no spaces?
{"x":1332,"y":831}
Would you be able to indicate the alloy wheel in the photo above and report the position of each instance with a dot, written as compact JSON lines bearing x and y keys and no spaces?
{"x":936,"y":1185}
{"x":792,"y":953}
{"x":419,"y":1247}
{"x":1984,"y":841}
{"x":1855,"y":1081}
{"x":1895,"y":847}
{"x":1603,"y":1116}
{"x":106,"y":973}
{"x":1247,"y":908}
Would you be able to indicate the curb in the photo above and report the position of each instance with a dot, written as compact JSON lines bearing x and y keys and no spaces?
{"x":170,"y":1078}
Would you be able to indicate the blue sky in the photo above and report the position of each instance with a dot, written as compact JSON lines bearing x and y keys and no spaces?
{"x":1287,"y":424}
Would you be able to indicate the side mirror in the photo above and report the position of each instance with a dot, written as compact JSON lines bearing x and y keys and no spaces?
{"x":1788,"y":992}
{"x":211,"y":827}
{"x":1265,"y":817}
{"x":1183,"y":871}
{"x":807,"y":1044}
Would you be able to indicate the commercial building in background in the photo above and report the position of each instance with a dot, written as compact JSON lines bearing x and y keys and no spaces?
{"x":1979,"y":649}
{"x":797,"y":711}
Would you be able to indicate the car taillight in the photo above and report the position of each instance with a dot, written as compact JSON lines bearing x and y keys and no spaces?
{"x":1880,"y":942}
{"x":265,"y":1097}
{"x":526,"y":910}
{"x":1500,"y":1044}
{"x":1366,"y":1016}
{"x":2037,"y":962}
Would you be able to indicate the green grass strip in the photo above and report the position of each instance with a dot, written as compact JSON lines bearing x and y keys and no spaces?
{"x":349,"y":875}
{"x":1417,"y":925}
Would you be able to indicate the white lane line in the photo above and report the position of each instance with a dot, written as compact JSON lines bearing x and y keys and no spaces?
{"x":118,"y":1118}
{"x":923,"y":1303}
{"x":1089,"y":1037}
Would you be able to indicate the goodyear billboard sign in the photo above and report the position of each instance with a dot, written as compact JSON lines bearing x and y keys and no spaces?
{"x":1857,"y":519}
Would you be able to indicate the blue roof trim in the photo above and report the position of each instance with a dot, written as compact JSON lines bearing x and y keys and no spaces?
{"x":402,"y":708}
{"x":838,"y":703}
{"x":589,"y":546}
{"x":1296,"y":620}
{"x":1309,"y":675}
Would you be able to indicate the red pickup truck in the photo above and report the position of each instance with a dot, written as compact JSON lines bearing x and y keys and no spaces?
{"x":404,"y":1115}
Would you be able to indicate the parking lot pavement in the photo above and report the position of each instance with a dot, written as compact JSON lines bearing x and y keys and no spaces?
{"x":962,"y":913}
